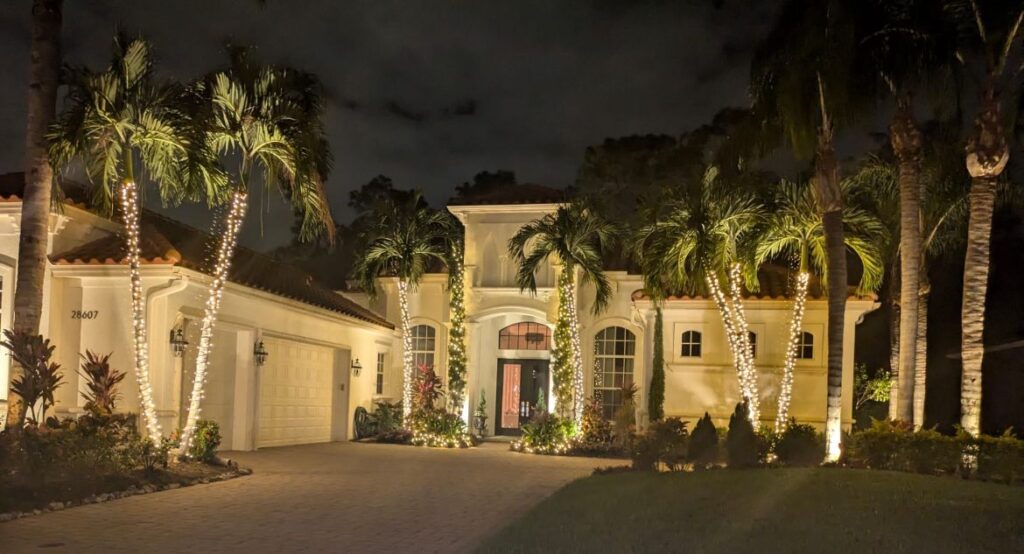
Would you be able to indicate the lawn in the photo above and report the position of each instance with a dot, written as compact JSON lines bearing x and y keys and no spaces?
{"x":766,"y":511}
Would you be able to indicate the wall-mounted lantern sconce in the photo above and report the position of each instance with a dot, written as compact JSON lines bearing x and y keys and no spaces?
{"x":357,"y":367}
{"x":178,"y":342}
{"x":259,"y":353}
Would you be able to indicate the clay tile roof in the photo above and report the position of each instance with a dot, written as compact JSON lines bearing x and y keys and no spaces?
{"x":513,"y":194}
{"x":774,"y":284}
{"x":166,"y":241}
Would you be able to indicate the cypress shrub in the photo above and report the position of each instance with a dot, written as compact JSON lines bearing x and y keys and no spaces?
{"x":656,"y":398}
{"x":703,"y":450}
{"x":741,"y":443}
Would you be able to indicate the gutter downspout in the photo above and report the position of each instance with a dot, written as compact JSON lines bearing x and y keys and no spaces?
{"x":174,"y":286}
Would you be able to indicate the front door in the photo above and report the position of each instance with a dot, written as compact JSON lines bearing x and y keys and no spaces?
{"x":520,"y":386}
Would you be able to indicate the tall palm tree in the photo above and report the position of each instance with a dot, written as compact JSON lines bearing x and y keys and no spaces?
{"x":694,"y":247}
{"x":988,"y":37}
{"x":794,"y":230}
{"x":265,"y":123}
{"x":454,"y":259}
{"x":576,"y":237}
{"x":401,"y":240}
{"x":44,"y":78}
{"x":804,"y":84}
{"x":124,"y":127}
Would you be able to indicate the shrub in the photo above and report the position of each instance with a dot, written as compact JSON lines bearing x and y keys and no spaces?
{"x":1000,"y":458}
{"x":877,"y":447}
{"x":741,"y":443}
{"x":927,"y":451}
{"x":207,"y":439}
{"x":387,"y":416}
{"x":595,"y":435}
{"x":39,"y":378}
{"x":395,"y":436}
{"x":101,"y":382}
{"x":800,"y":445}
{"x":625,"y":417}
{"x":664,"y":442}
{"x":703,"y":449}
{"x":546,"y":434}
{"x":438,"y":428}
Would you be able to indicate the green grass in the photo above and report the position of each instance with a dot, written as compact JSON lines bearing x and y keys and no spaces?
{"x":767,"y":511}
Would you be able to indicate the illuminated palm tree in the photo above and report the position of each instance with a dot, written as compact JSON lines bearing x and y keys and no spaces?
{"x":125,"y":128}
{"x":694,"y":247}
{"x":794,"y":230}
{"x":401,"y":239}
{"x":576,"y":237}
{"x":265,"y":123}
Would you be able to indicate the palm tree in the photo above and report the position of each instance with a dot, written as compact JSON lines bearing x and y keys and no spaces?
{"x":266,"y":121}
{"x":454,"y":259}
{"x":576,"y":237}
{"x":123,"y":126}
{"x":401,"y":240}
{"x":44,"y":78}
{"x":794,"y":230}
{"x":696,"y":245}
{"x":904,"y":43}
{"x":804,"y":83}
{"x":988,"y":33}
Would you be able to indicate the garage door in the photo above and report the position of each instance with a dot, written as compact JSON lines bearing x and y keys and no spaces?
{"x":295,"y":393}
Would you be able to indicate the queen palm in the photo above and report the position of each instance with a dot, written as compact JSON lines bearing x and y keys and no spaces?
{"x":401,"y":239}
{"x":794,"y":230}
{"x":694,"y":247}
{"x":264,"y":123}
{"x":575,"y":236}
{"x":123,"y":126}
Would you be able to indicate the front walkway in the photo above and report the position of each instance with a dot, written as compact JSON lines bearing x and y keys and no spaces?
{"x":337,"y":497}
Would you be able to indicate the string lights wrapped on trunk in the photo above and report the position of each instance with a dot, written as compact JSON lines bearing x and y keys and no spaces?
{"x":457,"y":333}
{"x":222,"y":265}
{"x":739,"y":339}
{"x":407,"y":358}
{"x":792,"y":351}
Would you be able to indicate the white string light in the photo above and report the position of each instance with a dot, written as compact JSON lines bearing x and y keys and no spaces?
{"x":792,"y":351}
{"x":130,"y":208}
{"x":739,"y":340}
{"x":407,"y":361}
{"x":225,"y":251}
{"x":457,"y":336}
{"x":577,"y":352}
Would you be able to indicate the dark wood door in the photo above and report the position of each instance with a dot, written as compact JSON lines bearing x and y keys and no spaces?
{"x":521,"y":383}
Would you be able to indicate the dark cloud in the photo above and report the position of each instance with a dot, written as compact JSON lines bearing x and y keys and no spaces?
{"x":430,"y":93}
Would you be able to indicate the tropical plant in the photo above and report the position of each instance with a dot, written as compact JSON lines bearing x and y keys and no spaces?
{"x":266,"y":121}
{"x":664,"y":442}
{"x":401,"y":240}
{"x":207,"y":440}
{"x":794,"y":230}
{"x":625,"y":416}
{"x":867,"y":388}
{"x":804,"y":84}
{"x":429,"y":388}
{"x":575,"y":236}
{"x":457,"y":330}
{"x":987,"y":41}
{"x":39,"y":378}
{"x":124,"y":127}
{"x":101,"y":383}
{"x":696,"y":246}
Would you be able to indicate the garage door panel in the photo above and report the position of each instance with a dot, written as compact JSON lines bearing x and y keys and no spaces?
{"x":295,"y":394}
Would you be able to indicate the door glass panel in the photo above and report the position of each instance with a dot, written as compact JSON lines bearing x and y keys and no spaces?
{"x":510,"y":396}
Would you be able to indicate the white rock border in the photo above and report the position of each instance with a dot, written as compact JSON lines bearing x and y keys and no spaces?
{"x":233,"y":473}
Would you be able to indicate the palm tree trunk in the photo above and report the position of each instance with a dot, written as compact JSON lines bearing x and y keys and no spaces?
{"x":894,"y":352}
{"x":906,"y":142}
{"x":733,"y":332}
{"x":578,"y":387}
{"x":130,"y":213}
{"x":222,"y":265}
{"x":921,"y":357}
{"x":407,"y":361}
{"x":792,"y":346}
{"x":987,"y":155}
{"x":743,"y":342}
{"x":44,"y":77}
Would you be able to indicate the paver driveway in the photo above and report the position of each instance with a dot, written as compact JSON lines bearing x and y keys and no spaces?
{"x":337,"y":497}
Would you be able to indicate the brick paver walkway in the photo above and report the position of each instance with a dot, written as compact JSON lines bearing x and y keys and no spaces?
{"x":338,"y":497}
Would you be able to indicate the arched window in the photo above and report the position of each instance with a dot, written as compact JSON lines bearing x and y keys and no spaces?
{"x":752,"y":336}
{"x":805,"y":351}
{"x":525,"y":336}
{"x":614,"y":349}
{"x":691,"y":344}
{"x":423,"y":345}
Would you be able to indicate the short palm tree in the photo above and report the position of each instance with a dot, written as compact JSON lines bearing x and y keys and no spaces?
{"x":124,"y":126}
{"x":265,"y":123}
{"x":575,"y":236}
{"x":401,"y":239}
{"x":794,"y":230}
{"x":695,"y":246}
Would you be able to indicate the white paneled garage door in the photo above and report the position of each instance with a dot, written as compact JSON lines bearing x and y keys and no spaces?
{"x":295,"y":393}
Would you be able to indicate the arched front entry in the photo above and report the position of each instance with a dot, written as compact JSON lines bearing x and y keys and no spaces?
{"x":523,"y":384}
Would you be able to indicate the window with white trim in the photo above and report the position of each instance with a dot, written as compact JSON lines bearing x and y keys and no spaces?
{"x":424,"y":341}
{"x":691,"y":344}
{"x":805,"y":350}
{"x":752,"y":337}
{"x":381,"y":358}
{"x":614,"y":351}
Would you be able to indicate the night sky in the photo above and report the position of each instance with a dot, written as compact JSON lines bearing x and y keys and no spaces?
{"x":430,"y":93}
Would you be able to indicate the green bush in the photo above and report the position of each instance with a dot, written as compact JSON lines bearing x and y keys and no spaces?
{"x":595,"y":436}
{"x":1000,"y":458}
{"x":741,"y":444}
{"x":703,"y":448}
{"x":800,"y":445}
{"x":928,"y":451}
{"x":387,"y":416}
{"x":546,"y":434}
{"x":206,"y":440}
{"x":877,"y":447}
{"x":664,"y":442}
{"x":437,"y":428}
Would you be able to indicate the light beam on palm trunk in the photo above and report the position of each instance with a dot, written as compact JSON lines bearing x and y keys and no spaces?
{"x":221,"y":269}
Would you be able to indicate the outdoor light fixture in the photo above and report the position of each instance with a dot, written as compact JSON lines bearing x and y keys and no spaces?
{"x":178,"y":342}
{"x":259,"y":352}
{"x":357,"y":367}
